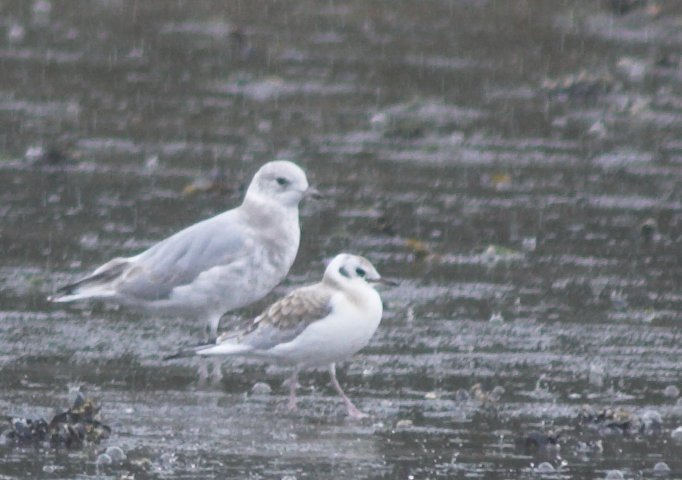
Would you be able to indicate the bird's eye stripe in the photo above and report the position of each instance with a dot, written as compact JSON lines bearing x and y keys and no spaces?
{"x":360,"y":271}
{"x":282,"y":181}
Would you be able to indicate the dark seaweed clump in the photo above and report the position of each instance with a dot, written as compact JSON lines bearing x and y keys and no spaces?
{"x":74,"y":428}
{"x":620,"y":421}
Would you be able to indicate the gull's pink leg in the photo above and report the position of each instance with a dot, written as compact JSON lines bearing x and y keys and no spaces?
{"x":293,"y":385}
{"x":352,"y":410}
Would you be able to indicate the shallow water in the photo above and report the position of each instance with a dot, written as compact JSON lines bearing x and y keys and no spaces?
{"x":516,"y":166}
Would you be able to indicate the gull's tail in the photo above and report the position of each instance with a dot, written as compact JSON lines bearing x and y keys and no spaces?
{"x":207,"y":349}
{"x":96,"y":285}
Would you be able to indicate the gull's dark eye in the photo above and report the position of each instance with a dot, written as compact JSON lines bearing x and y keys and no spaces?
{"x":282,"y":181}
{"x":360,"y":272}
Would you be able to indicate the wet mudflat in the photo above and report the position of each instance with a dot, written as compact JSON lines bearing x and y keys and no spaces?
{"x":516,"y":166}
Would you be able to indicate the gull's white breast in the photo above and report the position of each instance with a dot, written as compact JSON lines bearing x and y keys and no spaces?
{"x":346,"y":330}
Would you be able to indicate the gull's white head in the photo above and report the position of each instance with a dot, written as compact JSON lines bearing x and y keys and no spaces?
{"x":281,"y":181}
{"x":351,"y":269}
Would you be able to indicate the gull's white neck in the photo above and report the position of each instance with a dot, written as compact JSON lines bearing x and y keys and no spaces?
{"x":259,"y":206}
{"x":276,"y":225}
{"x":357,"y":290}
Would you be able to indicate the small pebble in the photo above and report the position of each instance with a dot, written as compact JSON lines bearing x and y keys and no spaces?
{"x":42,"y":7}
{"x":614,"y":475}
{"x":597,"y":130}
{"x":635,"y":70}
{"x":676,"y":434}
{"x":661,"y":468}
{"x":116,"y":454}
{"x":16,"y":33}
{"x":168,"y":459}
{"x":529,"y":244}
{"x":288,"y":477}
{"x":431,"y":395}
{"x":496,"y":318}
{"x":596,"y":375}
{"x":34,"y":153}
{"x":151,"y":163}
{"x":379,"y":120}
{"x":405,"y":423}
{"x":651,"y":421}
{"x":536,"y":440}
{"x":462,"y":395}
{"x":590,"y":447}
{"x":648,"y":229}
{"x":264,"y":126}
{"x":671,"y":391}
{"x":545,"y":467}
{"x":496,"y":393}
{"x":143,"y":463}
{"x":104,"y":459}
{"x":261,"y":388}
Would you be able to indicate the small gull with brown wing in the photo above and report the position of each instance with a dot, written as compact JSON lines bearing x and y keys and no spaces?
{"x":313,"y":326}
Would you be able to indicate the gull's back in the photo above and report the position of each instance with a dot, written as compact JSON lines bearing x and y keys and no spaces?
{"x":178,"y":261}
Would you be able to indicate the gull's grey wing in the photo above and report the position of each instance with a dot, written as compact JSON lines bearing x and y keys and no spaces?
{"x":285,"y":319}
{"x":181,"y":258}
{"x":102,"y":276}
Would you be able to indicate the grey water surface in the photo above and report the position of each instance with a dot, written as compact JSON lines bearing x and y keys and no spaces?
{"x":515,"y":165}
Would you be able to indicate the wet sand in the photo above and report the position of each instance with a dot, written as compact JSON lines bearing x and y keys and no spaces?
{"x":514,"y":165}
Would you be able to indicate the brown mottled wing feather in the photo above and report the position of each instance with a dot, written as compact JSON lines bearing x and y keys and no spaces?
{"x":288,"y":317}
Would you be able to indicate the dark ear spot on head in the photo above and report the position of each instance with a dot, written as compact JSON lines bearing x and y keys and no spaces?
{"x":344,"y":272}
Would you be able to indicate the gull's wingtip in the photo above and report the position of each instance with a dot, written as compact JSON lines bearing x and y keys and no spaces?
{"x":208,"y":349}
{"x":188,"y":351}
{"x":57,"y":298}
{"x":180,"y":354}
{"x":63,"y":294}
{"x":70,"y":297}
